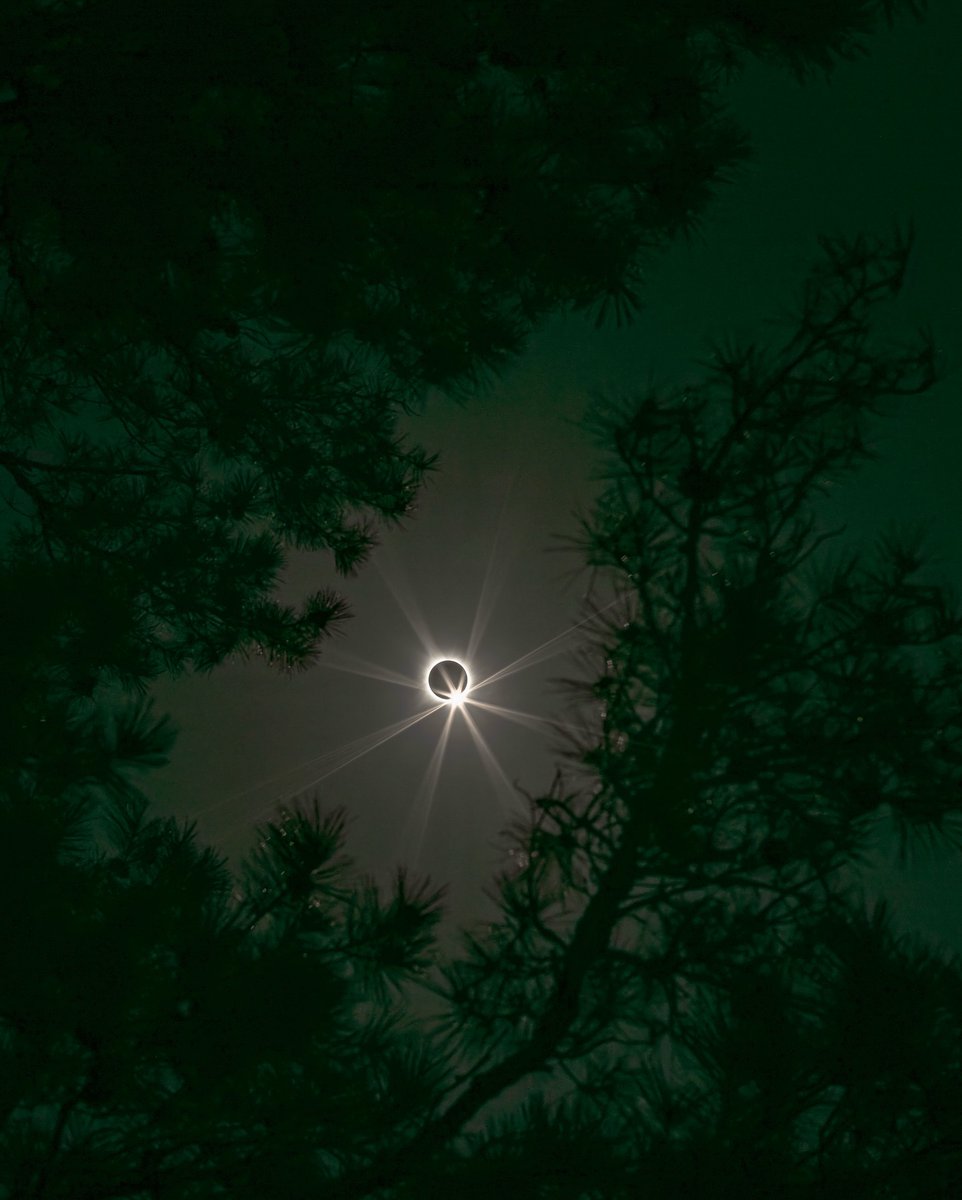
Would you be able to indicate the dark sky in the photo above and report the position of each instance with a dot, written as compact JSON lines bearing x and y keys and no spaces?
{"x":877,"y":143}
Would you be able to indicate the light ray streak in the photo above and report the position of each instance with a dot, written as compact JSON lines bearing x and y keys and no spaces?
{"x":489,"y":593}
{"x":359,"y":666}
{"x":424,"y":800}
{"x":514,"y":714}
{"x":352,"y":751}
{"x":491,"y":764}
{"x":543,"y":652}
{"x":404,"y":598}
{"x":374,"y":740}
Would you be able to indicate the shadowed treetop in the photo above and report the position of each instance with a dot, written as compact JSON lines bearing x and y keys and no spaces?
{"x":237,"y":244}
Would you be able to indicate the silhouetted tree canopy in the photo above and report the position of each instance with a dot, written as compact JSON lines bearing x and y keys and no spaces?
{"x":426,"y":178}
{"x":683,"y":992}
{"x":237,"y":244}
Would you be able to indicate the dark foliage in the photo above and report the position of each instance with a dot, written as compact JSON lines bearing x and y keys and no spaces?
{"x":237,"y":243}
{"x":169,"y":1032}
{"x":235,"y":247}
{"x":685,"y":976}
{"x":683,"y":993}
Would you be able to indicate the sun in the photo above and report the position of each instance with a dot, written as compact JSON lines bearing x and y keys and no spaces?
{"x":447,"y":679}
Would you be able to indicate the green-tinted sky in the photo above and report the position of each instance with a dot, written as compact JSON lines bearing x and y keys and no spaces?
{"x":877,"y":143}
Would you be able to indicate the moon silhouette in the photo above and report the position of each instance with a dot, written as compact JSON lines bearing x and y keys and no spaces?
{"x":448,"y":680}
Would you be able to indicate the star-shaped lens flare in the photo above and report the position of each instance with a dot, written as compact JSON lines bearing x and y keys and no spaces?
{"x":448,"y":689}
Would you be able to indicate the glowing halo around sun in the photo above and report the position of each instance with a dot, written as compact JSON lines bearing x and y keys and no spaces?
{"x":450,"y":690}
{"x":447,"y":679}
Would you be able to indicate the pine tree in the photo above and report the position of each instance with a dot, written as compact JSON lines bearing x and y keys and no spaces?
{"x":229,"y":271}
{"x":684,"y":990}
{"x":686,"y":987}
{"x":171,"y":1030}
{"x":237,"y":247}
